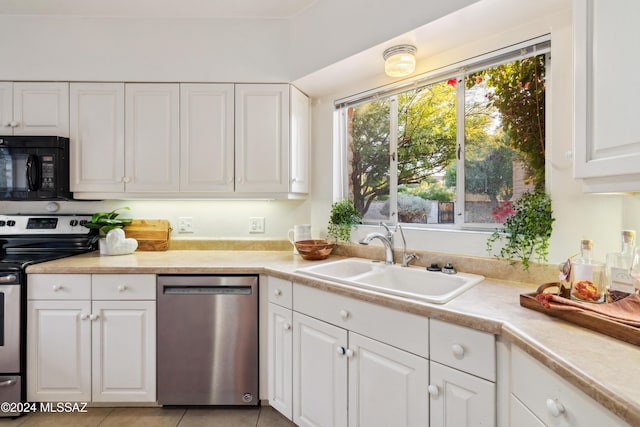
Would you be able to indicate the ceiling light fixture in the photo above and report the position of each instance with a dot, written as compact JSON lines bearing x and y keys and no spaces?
{"x":399,"y":61}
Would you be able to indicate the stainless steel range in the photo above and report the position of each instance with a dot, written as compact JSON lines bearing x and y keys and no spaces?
{"x":25,"y":240}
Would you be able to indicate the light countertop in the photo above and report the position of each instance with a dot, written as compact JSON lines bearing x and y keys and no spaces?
{"x":604,"y":368}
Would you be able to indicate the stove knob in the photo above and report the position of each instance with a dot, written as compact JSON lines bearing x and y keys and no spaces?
{"x":2,"y":223}
{"x":73,"y":222}
{"x":83,"y":221}
{"x":11,"y":223}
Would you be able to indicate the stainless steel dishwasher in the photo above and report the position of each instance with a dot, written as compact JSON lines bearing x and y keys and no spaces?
{"x":207,"y":340}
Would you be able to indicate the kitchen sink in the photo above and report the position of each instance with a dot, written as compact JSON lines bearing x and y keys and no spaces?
{"x":410,"y":282}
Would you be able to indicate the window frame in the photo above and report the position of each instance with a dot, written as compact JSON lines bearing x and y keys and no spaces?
{"x":533,"y":47}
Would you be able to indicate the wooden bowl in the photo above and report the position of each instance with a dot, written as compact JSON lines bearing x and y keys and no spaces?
{"x":314,"y":249}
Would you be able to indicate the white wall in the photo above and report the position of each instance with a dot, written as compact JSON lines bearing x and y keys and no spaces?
{"x":332,"y":30}
{"x":578,"y":215}
{"x":143,"y":49}
{"x":221,"y":219}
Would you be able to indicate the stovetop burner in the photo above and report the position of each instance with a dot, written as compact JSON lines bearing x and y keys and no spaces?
{"x":28,"y":239}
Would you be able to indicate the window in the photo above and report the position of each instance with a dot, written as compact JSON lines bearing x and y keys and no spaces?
{"x":454,"y":149}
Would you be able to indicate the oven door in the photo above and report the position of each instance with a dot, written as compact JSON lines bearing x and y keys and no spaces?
{"x":9,"y":324}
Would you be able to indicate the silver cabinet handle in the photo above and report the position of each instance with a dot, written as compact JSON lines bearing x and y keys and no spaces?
{"x":56,"y":288}
{"x":93,"y":317}
{"x":286,"y":326}
{"x":122,"y":288}
{"x":7,"y":383}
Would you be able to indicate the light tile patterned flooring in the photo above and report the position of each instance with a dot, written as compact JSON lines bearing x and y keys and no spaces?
{"x":264,"y":416}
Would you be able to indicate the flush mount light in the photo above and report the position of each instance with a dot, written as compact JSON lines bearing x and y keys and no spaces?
{"x":399,"y":61}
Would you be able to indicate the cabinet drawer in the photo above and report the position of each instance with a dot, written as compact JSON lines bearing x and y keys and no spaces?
{"x":397,"y":328}
{"x":59,"y":286}
{"x":280,"y":292}
{"x":553,"y":400}
{"x":123,"y":286}
{"x":463,"y":348}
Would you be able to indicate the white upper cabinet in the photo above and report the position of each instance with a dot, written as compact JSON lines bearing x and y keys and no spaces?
{"x":187,"y":140}
{"x":206,"y":137}
{"x":6,"y":108}
{"x":152,"y":137}
{"x":36,"y":108}
{"x":262,"y":138}
{"x":300,"y":138}
{"x":607,"y":129}
{"x":97,"y":137}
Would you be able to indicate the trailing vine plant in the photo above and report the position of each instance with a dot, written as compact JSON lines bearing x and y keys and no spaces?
{"x":343,"y":216}
{"x":526,"y":230}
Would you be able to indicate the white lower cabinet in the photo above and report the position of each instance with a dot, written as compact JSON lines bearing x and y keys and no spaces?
{"x":280,"y":359}
{"x":462,"y":385}
{"x":58,"y":351}
{"x":319,"y":373}
{"x":351,"y":364}
{"x":84,"y":349}
{"x":360,"y":364}
{"x":386,"y":385}
{"x":459,"y":399}
{"x":540,"y":397}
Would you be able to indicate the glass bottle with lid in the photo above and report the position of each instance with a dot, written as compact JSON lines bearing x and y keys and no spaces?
{"x":587,"y":276}
{"x":619,"y":282}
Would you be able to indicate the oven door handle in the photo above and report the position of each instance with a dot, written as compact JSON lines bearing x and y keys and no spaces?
{"x":7,"y":383}
{"x":33,"y":172}
{"x":8,"y":278}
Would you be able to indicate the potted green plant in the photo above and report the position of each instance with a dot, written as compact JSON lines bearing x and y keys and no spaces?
{"x":526,"y":229}
{"x":103,"y":222}
{"x":343,"y":217}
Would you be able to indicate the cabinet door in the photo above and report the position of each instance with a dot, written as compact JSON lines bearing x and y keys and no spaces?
{"x":280,"y":359}
{"x":387,"y":386}
{"x":124,"y":351}
{"x":300,"y":141}
{"x":459,"y":399}
{"x":58,"y":351}
{"x":262,"y":138}
{"x":607,"y":129}
{"x":552,"y":399}
{"x":152,"y":137}
{"x":41,"y":109}
{"x":97,"y":137}
{"x":206,"y":137}
{"x":319,"y":373}
{"x":520,"y":415}
{"x":6,"y":108}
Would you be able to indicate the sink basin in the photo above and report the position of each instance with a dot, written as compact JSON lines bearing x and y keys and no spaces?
{"x":409,"y":282}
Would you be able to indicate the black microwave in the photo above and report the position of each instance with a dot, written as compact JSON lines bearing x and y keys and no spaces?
{"x":34,"y":168}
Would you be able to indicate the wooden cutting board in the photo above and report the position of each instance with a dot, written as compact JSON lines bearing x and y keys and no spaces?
{"x":151,"y":234}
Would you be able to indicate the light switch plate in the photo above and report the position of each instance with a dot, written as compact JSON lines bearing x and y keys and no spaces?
{"x":256,"y":224}
{"x":185,"y":224}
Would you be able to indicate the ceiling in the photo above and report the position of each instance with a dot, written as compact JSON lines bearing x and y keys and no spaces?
{"x":158,"y":8}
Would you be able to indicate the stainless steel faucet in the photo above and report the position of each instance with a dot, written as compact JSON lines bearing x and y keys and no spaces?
{"x":406,"y":258}
{"x":387,"y":241}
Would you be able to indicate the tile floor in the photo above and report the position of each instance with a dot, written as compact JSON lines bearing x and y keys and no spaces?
{"x":264,"y":416}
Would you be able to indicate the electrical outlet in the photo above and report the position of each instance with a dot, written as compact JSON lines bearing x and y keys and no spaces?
{"x":185,"y":224}
{"x":256,"y":224}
